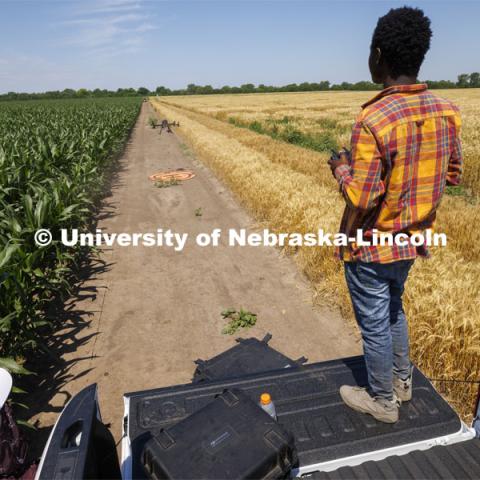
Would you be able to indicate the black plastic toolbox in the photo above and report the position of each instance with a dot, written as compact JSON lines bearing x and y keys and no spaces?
{"x":231,"y":437}
{"x":308,"y":405}
{"x":249,"y":356}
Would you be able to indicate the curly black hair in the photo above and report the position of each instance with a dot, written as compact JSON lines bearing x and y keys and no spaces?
{"x":403,"y":36}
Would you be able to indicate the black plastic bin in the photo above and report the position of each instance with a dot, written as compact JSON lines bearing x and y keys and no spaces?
{"x":231,"y":437}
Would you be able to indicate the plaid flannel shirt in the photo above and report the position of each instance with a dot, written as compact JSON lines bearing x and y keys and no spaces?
{"x":405,"y":148}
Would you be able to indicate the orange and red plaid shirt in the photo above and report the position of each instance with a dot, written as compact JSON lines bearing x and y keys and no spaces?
{"x":405,"y":149}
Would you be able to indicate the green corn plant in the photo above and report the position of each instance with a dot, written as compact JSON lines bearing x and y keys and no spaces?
{"x":53,"y":159}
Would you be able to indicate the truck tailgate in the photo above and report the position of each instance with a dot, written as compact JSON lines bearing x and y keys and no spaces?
{"x":307,"y":404}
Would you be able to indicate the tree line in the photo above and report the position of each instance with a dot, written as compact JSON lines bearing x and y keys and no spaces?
{"x":464,"y":80}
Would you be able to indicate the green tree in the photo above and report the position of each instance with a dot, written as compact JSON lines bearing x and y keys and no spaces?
{"x":247,"y":88}
{"x":206,"y":90}
{"x":161,"y":90}
{"x":68,"y":93}
{"x":474,"y":80}
{"x":192,"y":89}
{"x":463,"y":80}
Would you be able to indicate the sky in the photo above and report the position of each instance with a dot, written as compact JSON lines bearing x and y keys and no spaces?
{"x":57,"y":44}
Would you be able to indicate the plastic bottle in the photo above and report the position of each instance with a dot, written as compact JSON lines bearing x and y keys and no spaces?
{"x":267,"y":404}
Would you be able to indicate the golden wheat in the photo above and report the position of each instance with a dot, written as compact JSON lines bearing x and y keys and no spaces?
{"x":306,"y":111}
{"x":290,"y":189}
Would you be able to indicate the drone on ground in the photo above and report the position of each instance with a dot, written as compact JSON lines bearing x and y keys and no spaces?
{"x":165,"y":125}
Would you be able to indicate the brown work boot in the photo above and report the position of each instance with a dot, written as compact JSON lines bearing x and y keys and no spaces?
{"x":360,"y":400}
{"x":402,"y":389}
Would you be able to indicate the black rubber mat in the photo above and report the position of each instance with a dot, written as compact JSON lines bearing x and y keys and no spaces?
{"x":308,"y":404}
{"x":248,"y":356}
{"x":460,"y":461}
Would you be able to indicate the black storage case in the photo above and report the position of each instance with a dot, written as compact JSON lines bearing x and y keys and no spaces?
{"x":230,"y":438}
{"x":248,"y":357}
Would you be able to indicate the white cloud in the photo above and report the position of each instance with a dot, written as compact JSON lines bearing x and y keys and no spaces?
{"x":109,"y":27}
{"x":118,"y":19}
{"x":109,"y":6}
{"x":18,"y":72}
{"x":87,"y":45}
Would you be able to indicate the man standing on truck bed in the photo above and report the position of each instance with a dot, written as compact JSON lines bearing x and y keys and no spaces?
{"x":405,"y":149}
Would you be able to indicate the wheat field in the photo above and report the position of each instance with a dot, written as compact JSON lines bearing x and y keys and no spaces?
{"x":276,"y":166}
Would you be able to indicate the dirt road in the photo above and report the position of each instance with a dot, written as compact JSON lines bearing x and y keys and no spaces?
{"x":141,"y":321}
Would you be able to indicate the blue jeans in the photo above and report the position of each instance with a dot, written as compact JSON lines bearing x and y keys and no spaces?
{"x":376,"y":291}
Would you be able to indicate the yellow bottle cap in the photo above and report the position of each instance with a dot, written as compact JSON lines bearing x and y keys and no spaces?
{"x":265,"y":398}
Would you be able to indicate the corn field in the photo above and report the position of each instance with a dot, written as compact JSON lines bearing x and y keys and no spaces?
{"x":271,"y":150}
{"x":53,"y":159}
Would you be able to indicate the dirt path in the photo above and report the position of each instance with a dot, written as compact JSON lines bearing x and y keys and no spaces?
{"x":153,"y":311}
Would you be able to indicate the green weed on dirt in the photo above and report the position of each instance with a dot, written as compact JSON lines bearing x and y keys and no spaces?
{"x":238,"y":319}
{"x":166,"y":183}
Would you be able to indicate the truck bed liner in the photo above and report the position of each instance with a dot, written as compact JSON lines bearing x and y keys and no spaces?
{"x":308,"y":404}
{"x":460,"y":461}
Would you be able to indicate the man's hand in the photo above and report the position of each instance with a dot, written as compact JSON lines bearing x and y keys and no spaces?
{"x":340,"y":158}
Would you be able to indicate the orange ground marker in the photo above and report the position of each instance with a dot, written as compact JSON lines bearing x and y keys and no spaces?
{"x":172,"y":175}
